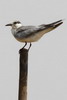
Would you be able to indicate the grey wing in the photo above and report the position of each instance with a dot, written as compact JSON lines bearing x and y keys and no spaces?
{"x":26,"y":31}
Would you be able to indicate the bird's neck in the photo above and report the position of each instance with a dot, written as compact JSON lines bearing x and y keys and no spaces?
{"x":13,"y":30}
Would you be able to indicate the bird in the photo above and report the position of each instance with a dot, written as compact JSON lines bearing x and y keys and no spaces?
{"x":29,"y":34}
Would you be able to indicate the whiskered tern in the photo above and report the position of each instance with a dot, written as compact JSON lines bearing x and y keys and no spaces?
{"x":30,"y":34}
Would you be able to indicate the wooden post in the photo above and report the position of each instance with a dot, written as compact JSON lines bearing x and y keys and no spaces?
{"x":23,"y":72}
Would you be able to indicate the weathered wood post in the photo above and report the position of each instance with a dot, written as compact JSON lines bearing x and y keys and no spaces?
{"x":23,"y":72}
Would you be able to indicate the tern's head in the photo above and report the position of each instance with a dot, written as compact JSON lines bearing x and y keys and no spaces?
{"x":15,"y":24}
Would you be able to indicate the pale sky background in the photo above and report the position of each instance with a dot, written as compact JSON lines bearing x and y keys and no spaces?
{"x":47,"y":78}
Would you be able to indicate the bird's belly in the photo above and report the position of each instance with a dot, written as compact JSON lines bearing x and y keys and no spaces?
{"x":32,"y":38}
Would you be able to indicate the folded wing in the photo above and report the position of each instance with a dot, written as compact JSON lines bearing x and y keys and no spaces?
{"x":27,"y":31}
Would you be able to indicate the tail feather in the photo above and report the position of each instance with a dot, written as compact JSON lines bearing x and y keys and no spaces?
{"x":49,"y":27}
{"x":52,"y":25}
{"x":56,"y":24}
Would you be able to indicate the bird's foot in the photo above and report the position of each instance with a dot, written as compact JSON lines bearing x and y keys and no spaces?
{"x":29,"y":46}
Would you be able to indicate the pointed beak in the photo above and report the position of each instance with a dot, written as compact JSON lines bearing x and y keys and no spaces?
{"x":8,"y":25}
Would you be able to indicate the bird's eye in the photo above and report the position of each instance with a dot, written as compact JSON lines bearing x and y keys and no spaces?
{"x":15,"y":22}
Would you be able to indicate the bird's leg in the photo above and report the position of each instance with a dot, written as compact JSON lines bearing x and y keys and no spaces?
{"x":29,"y":46}
{"x":24,"y":45}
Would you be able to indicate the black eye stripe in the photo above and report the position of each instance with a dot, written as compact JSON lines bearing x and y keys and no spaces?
{"x":16,"y":22}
